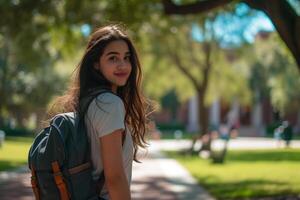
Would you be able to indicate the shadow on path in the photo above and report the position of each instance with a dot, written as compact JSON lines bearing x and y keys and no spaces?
{"x":152,"y":189}
{"x":18,"y":188}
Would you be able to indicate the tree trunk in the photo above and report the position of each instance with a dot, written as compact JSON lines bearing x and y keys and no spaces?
{"x":203,"y":114}
{"x":204,"y":135}
{"x":203,"y":121}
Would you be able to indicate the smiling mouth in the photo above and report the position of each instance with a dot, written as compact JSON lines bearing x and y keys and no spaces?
{"x":121,"y":74}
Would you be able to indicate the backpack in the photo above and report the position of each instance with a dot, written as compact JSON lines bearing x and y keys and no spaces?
{"x":60,"y":161}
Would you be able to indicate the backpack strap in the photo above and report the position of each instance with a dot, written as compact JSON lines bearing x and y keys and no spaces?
{"x":34,"y":183}
{"x":58,"y":178}
{"x":90,"y":96}
{"x":79,"y":168}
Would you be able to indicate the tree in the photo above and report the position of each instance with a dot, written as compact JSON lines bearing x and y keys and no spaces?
{"x":280,"y":84}
{"x":203,"y":63}
{"x":197,"y":70}
{"x":281,"y":13}
{"x":25,"y":34}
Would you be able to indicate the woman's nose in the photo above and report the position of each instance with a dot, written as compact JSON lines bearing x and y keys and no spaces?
{"x":122,"y":63}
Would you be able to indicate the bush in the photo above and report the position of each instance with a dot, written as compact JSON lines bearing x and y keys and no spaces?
{"x":170,"y":126}
{"x":17,"y":131}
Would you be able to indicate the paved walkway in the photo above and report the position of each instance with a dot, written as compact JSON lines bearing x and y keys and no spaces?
{"x":156,"y":178}
{"x":238,"y":143}
{"x":15,"y":185}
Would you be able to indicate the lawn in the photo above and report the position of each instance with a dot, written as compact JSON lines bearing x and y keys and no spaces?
{"x":14,"y":152}
{"x":247,"y":174}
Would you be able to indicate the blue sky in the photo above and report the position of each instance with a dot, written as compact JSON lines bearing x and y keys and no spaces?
{"x":260,"y":22}
{"x":234,"y":29}
{"x":86,"y":29}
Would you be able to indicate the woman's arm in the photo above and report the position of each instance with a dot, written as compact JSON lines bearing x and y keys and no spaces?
{"x":115,"y":178}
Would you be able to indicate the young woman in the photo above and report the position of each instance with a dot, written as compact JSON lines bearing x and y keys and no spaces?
{"x":110,"y":74}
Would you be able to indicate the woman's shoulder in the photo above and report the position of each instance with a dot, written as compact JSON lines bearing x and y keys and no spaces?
{"x":106,"y":103}
{"x":108,"y":98}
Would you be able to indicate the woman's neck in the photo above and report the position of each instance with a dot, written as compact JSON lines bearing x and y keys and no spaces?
{"x":114,"y":89}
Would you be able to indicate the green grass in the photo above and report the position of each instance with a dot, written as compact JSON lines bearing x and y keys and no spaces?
{"x":247,"y":174}
{"x":13,"y":152}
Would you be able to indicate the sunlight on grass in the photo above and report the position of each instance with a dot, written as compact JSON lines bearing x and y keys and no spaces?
{"x":14,"y":152}
{"x":247,"y":173}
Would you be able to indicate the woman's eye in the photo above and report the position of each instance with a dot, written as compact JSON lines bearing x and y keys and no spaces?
{"x":116,"y":59}
{"x":113,"y":58}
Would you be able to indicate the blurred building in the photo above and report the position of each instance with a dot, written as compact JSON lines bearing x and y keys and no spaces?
{"x":250,"y":121}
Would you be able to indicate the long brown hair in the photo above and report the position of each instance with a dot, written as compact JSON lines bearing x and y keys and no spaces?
{"x":86,"y":80}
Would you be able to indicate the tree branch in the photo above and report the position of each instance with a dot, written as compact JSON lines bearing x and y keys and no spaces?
{"x":207,"y":68}
{"x":198,"y":7}
{"x":174,"y":57}
{"x":191,"y":45}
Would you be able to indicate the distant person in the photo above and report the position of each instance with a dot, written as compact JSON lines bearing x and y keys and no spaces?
{"x":224,"y":132}
{"x":278,"y":135}
{"x":115,"y":119}
{"x":234,"y":129}
{"x":287,"y":134}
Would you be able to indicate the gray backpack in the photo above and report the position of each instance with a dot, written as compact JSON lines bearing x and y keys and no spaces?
{"x":60,"y":161}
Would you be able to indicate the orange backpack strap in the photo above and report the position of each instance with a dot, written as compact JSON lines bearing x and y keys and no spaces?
{"x":59,"y":181}
{"x":34,"y":183}
{"x":79,"y":168}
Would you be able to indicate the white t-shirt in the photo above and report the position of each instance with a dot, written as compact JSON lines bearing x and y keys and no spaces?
{"x":105,"y":114}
